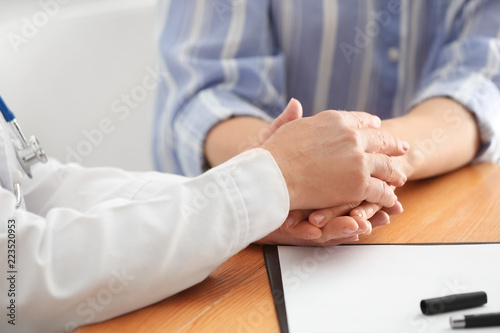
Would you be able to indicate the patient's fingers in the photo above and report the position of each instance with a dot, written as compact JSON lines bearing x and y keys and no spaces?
{"x":384,"y":168}
{"x":292,"y":111}
{"x":377,"y":191}
{"x":357,"y":119}
{"x":381,"y":142}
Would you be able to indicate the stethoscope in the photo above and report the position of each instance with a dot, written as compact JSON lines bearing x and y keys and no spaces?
{"x":28,"y":152}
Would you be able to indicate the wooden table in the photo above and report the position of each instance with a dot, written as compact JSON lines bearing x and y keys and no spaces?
{"x":463,"y":206}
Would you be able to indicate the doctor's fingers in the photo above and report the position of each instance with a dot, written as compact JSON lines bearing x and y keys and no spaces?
{"x":380,"y":218}
{"x":321,"y":217}
{"x":294,"y":217}
{"x":331,"y":242}
{"x":382,"y":142}
{"x":302,"y":230}
{"x":376,"y":214}
{"x":373,"y":213}
{"x":345,"y":226}
{"x":367,"y":209}
{"x":384,"y":168}
{"x":338,"y":241}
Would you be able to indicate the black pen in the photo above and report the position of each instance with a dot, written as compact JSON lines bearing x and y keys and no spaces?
{"x":479,"y":320}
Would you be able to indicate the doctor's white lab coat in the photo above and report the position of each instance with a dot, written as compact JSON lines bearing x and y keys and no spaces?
{"x":91,"y":244}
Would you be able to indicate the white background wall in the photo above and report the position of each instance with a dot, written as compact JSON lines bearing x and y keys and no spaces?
{"x":66,"y":69}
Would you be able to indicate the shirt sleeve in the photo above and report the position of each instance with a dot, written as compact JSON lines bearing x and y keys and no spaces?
{"x":80,"y":260}
{"x":218,"y":60}
{"x":465,"y":66}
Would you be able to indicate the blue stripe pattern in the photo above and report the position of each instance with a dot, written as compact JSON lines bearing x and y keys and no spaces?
{"x":226,"y":58}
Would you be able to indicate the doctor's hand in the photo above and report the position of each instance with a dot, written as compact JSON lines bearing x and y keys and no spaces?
{"x":305,"y":227}
{"x":341,"y":224}
{"x":337,"y":158}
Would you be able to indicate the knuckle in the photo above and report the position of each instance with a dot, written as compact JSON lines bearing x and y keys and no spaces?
{"x":370,"y":209}
{"x":340,"y":117}
{"x":330,"y":117}
{"x":382,"y":140}
{"x":381,"y":193}
{"x":386,"y":194}
{"x":359,"y":161}
{"x":352,"y":136}
{"x":332,"y":114}
{"x":361,"y":121}
{"x":352,"y":205}
{"x":391,"y":168}
{"x":377,"y":192}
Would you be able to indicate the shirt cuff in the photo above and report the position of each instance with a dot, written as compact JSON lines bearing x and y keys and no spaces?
{"x":206,"y":110}
{"x":480,"y":96}
{"x":261,"y":194}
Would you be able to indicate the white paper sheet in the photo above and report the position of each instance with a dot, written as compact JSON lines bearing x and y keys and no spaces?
{"x":378,"y":288}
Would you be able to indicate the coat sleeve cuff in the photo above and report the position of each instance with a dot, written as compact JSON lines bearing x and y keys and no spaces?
{"x":260,"y":192}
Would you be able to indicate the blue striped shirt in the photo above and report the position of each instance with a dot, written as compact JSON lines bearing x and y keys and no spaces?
{"x":225,"y":58}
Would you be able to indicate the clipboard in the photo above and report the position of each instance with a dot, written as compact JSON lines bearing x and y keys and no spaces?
{"x":421,"y":323}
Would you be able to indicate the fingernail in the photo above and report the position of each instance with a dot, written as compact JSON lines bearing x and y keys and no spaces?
{"x":359,"y":212}
{"x":406,"y":145}
{"x":311,"y":236}
{"x":319,"y":218}
{"x":356,"y":239}
{"x":348,"y":231}
{"x":290,"y":221}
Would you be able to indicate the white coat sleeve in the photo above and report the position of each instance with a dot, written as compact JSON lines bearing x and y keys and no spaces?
{"x":104,"y":242}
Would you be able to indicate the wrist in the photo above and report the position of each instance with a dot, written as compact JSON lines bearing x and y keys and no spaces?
{"x":289,"y":176}
{"x":232,"y":137}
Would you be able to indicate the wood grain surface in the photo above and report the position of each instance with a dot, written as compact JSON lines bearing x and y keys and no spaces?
{"x":463,"y":206}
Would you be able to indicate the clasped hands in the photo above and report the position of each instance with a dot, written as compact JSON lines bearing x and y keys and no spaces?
{"x":339,"y":172}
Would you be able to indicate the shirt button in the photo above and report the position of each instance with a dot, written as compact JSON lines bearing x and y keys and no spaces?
{"x":393,"y":54}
